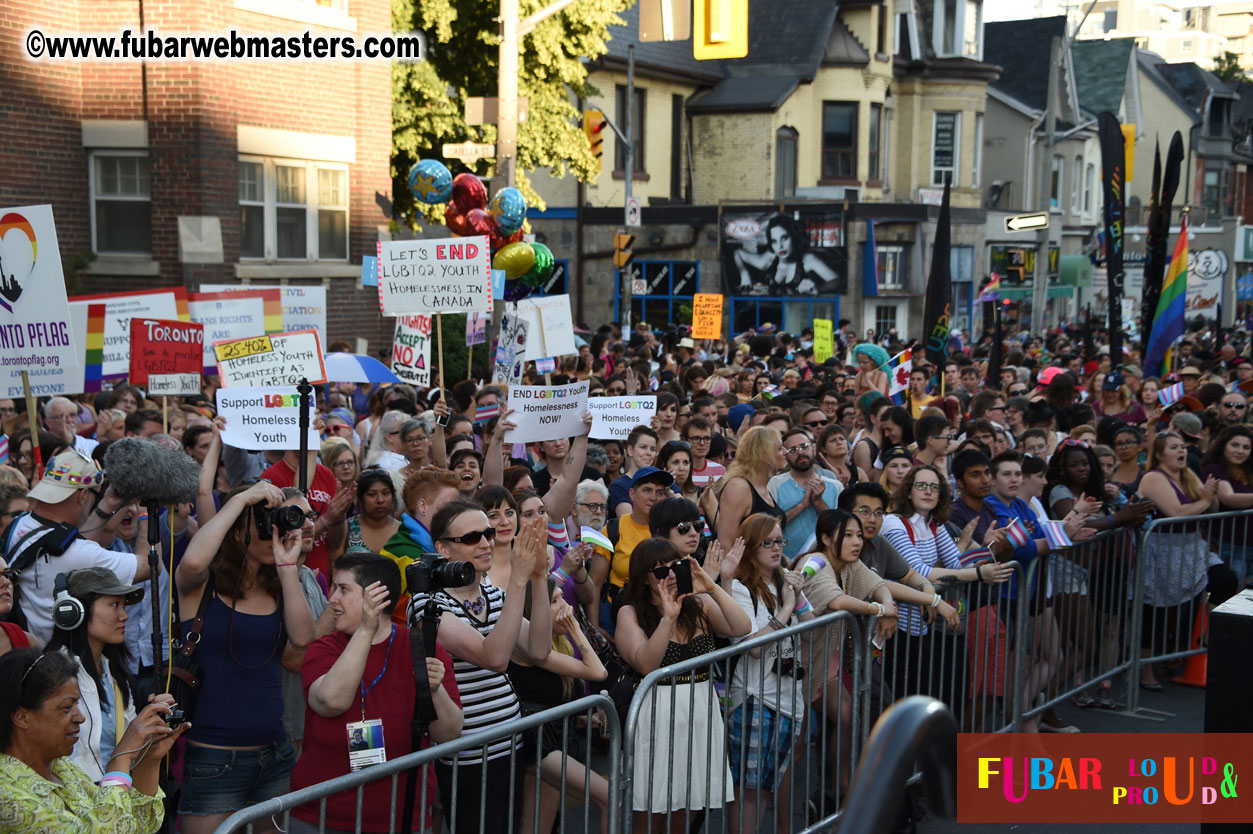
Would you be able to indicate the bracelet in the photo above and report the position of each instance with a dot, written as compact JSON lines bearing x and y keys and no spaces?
{"x":285,"y":564}
{"x":561,"y":575}
{"x":979,"y":572}
{"x":587,"y":577}
{"x":774,"y":623}
{"x":804,"y":609}
{"x":143,"y":517}
{"x":116,"y":777}
{"x":1110,"y":519}
{"x":935,"y":602}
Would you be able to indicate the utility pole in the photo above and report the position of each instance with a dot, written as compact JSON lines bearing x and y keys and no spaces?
{"x":629,"y":163}
{"x":1040,"y":278}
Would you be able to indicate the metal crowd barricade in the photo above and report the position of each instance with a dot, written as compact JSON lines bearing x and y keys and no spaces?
{"x":676,"y":720}
{"x":1184,"y":565}
{"x":1083,"y":636}
{"x":494,"y":799}
{"x":972,"y":670}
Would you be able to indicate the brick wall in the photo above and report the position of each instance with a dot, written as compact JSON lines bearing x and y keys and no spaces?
{"x":733,"y":157}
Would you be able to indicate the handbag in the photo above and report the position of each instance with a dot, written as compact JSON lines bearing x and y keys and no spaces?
{"x":186,"y":676}
{"x":621,"y":680}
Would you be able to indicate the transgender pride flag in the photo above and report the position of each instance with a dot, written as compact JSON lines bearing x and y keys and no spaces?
{"x":1170,"y":395}
{"x":1055,"y":533}
{"x":1017,"y":533}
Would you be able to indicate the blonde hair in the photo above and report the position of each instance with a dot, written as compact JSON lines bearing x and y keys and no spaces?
{"x":331,"y":448}
{"x":12,"y":475}
{"x":754,"y":452}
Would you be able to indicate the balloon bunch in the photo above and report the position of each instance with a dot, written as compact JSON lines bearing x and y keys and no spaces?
{"x":527,"y":265}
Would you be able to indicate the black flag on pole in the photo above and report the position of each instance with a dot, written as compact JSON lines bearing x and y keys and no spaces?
{"x":1157,"y":241}
{"x":1113,"y":177}
{"x":935,"y":317}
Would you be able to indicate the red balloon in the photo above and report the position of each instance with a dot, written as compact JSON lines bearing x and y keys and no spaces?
{"x":468,"y":192}
{"x":456,"y":221}
{"x":500,"y":241}
{"x":480,"y":222}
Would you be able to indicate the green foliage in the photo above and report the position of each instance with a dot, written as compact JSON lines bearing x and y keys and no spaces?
{"x":462,"y":55}
{"x":1227,"y":67}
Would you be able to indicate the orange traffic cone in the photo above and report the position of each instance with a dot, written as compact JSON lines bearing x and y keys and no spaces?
{"x":1197,"y":670}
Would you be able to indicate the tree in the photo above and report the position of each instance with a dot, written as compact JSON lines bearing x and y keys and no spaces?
{"x":462,"y":50}
{"x":1227,"y":67}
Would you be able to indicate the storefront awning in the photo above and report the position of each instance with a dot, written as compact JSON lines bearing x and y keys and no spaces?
{"x":1025,"y":293}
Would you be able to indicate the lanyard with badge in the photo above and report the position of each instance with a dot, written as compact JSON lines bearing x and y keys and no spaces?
{"x":365,"y":738}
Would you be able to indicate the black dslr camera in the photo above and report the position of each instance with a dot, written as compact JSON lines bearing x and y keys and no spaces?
{"x":438,"y":574}
{"x":281,"y":519}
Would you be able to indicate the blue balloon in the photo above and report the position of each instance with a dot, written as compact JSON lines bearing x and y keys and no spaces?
{"x":430,"y":181}
{"x":508,"y":210}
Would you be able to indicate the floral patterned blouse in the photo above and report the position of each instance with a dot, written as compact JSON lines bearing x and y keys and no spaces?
{"x":30,"y":804}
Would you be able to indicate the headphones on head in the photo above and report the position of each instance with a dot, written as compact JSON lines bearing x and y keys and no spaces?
{"x":68,"y":612}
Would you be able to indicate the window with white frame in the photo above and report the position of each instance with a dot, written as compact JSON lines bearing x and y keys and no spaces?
{"x":958,"y":29}
{"x":884,"y":319}
{"x":972,"y":30}
{"x":293,"y":210}
{"x":945,"y":146}
{"x":977,"y":164}
{"x":893,"y":267}
{"x":121,"y":203}
{"x":1089,"y":182}
{"x":1055,"y":182}
{"x":1075,"y":191}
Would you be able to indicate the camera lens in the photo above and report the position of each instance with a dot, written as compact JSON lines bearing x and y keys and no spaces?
{"x":288,"y":518}
{"x":446,"y":574}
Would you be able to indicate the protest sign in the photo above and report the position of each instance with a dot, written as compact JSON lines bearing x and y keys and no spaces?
{"x":54,"y":380}
{"x":613,"y":418}
{"x":511,"y":349}
{"x":449,"y":275}
{"x":369,"y":271}
{"x":235,"y":315}
{"x":411,"y":350}
{"x":824,"y":340}
{"x":263,"y":418}
{"x":281,"y":359}
{"x":161,"y":346}
{"x":706,"y":316}
{"x":304,"y":308}
{"x":35,"y":329}
{"x":120,"y":308}
{"x":476,"y":328}
{"x":546,"y":412}
{"x":548,"y":319}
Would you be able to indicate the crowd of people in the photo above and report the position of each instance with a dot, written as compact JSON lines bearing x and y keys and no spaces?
{"x":767,"y":490}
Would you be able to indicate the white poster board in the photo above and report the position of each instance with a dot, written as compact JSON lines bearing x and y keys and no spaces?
{"x":613,"y":418}
{"x":263,"y":418}
{"x":304,"y":308}
{"x":511,"y":351}
{"x":262,"y":361}
{"x":449,"y":275}
{"x":227,"y":316}
{"x":174,"y":385}
{"x":411,"y":350}
{"x":549,"y":319}
{"x":119,"y":309}
{"x":35,"y":327}
{"x":52,"y":380}
{"x":546,"y":412}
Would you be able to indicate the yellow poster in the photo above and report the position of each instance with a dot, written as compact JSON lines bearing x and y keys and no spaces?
{"x":824,"y":340}
{"x":707,"y":316}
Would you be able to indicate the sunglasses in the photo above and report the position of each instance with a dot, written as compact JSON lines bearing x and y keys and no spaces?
{"x":11,"y":575}
{"x":1238,"y":406}
{"x":684,"y":526}
{"x":662,"y":571}
{"x":473,"y":537}
{"x":800,"y":447}
{"x":816,"y":424}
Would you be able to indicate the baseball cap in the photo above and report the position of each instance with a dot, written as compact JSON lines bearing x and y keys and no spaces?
{"x":737,"y":414}
{"x":1047,"y":375}
{"x":653,"y":474}
{"x":1114,"y":380}
{"x":66,"y":474}
{"x":102,"y":582}
{"x":1187,"y":424}
{"x":897,"y":452}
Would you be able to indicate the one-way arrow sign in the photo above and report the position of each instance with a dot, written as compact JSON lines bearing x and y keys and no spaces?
{"x":1027,"y":222}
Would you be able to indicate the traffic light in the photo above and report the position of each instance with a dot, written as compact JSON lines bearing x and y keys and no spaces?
{"x":594,"y":126}
{"x":622,"y":244}
{"x":719,"y":29}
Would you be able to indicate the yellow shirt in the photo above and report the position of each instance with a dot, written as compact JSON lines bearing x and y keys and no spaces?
{"x":30,"y":804}
{"x":629,"y":535}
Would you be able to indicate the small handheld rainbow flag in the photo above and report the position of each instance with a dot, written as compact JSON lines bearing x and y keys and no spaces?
{"x":1017,"y":533}
{"x":1170,"y":395}
{"x":992,"y":292}
{"x":1055,"y":533}
{"x":595,"y":538}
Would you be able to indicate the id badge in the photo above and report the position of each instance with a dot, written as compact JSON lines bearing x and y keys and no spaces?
{"x":365,"y":744}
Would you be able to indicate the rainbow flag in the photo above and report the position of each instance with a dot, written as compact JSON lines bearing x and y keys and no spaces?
{"x":992,"y":292}
{"x":899,"y":367}
{"x":1168,"y":319}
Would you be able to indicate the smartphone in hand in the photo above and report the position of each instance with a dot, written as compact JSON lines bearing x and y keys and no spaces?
{"x":682,"y":577}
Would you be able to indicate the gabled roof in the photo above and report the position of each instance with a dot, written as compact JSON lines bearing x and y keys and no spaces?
{"x":1021,"y":49}
{"x":745,"y":94}
{"x":1193,"y":84}
{"x":786,"y":37}
{"x":843,"y":48}
{"x":1149,"y":64}
{"x":1101,"y":73}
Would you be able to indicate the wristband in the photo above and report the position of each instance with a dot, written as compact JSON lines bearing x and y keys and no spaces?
{"x":879,"y":610}
{"x":774,"y":623}
{"x":143,"y":517}
{"x":979,"y":572}
{"x":804,"y":609}
{"x":1110,"y":519}
{"x":935,"y":602}
{"x":587,"y":577}
{"x":116,"y":777}
{"x":285,"y":564}
{"x":561,"y":575}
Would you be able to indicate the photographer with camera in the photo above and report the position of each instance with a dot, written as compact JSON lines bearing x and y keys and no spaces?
{"x":359,"y":684}
{"x":239,"y":593}
{"x":482,"y":627}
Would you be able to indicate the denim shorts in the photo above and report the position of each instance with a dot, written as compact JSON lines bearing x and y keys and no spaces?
{"x":759,"y":744}
{"x":220,"y":781}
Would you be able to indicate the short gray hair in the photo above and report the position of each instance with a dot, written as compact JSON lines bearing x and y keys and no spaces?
{"x":584,"y":487}
{"x":56,"y":401}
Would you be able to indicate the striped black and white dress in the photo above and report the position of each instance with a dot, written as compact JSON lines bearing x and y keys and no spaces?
{"x":487,"y":697}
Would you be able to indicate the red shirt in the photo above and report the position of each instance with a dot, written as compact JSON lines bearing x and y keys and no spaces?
{"x":321,"y":491}
{"x":325,"y":752}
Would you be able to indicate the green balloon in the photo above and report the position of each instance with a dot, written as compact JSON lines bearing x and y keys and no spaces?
{"x":543,"y":268}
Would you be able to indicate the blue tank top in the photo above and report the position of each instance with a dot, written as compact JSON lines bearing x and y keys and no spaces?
{"x":241,"y":698}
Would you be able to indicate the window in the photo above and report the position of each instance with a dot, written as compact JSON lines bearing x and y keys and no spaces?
{"x":886,"y":141}
{"x":946,"y":24}
{"x":1089,"y":182}
{"x":839,"y":140}
{"x":972,"y":30}
{"x":958,"y":29}
{"x":1216,"y":192}
{"x":1075,"y":191}
{"x":893,"y":267}
{"x":875,"y":141}
{"x":293,"y":210}
{"x":881,"y":31}
{"x":945,"y":145}
{"x":884,"y":319}
{"x":637,"y":130}
{"x":676,"y":147}
{"x":1185,"y":47}
{"x":785,"y":162}
{"x":1055,"y":183}
{"x":977,"y":165}
{"x":121,"y":203}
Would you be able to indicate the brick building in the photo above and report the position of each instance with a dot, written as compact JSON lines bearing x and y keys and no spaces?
{"x":287,"y":162}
